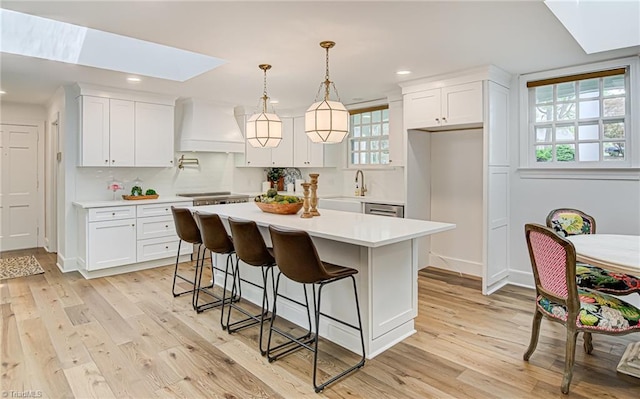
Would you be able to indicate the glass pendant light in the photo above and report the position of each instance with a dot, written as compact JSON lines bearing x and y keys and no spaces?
{"x":264,"y":129}
{"x":327,"y":121}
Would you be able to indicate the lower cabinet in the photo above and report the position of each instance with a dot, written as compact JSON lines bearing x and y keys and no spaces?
{"x":111,"y":243}
{"x":123,"y":235}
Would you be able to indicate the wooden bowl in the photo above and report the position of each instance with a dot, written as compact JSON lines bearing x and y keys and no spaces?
{"x":280,"y":209}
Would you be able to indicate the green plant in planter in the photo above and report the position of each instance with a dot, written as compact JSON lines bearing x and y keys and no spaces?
{"x":136,"y":190}
{"x":150,"y":192}
{"x":275,"y":174}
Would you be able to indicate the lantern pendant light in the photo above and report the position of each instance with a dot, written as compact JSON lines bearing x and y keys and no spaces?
{"x":327,"y":121}
{"x":264,"y":129}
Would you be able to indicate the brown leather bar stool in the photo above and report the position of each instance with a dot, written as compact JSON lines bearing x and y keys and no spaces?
{"x":251,"y":249}
{"x":188,"y":231}
{"x":298,"y":260}
{"x":215,"y":239}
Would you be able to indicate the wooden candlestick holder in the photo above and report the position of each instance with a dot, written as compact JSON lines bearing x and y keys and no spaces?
{"x":314,"y":194}
{"x":305,"y":205}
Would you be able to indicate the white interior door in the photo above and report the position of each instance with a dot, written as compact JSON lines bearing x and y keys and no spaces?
{"x":18,"y":187}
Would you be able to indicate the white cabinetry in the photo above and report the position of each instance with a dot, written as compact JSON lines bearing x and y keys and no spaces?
{"x":477,"y":100}
{"x":106,"y":132}
{"x":445,"y":107}
{"x":306,"y":153}
{"x":156,"y":233}
{"x":154,"y":135}
{"x":112,"y":236}
{"x":396,"y":134}
{"x":280,"y":156}
{"x":124,"y":129}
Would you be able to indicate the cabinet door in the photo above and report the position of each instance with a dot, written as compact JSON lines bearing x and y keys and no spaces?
{"x":422,"y":109}
{"x":396,"y":134}
{"x":154,"y":135}
{"x":122,"y":134}
{"x":315,"y":153}
{"x":111,"y":244}
{"x":257,"y":156}
{"x":94,"y":131}
{"x":300,"y":144}
{"x":282,"y":155}
{"x":462,"y":104}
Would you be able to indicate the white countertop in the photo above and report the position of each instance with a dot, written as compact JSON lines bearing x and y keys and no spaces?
{"x":104,"y":204}
{"x":354,"y":228}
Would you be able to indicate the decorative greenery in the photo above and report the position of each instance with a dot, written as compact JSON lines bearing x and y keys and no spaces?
{"x":274,"y":174}
{"x":136,"y":190}
{"x":150,"y":192}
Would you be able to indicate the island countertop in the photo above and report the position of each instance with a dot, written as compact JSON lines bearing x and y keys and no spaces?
{"x":353,"y":228}
{"x":118,"y":202}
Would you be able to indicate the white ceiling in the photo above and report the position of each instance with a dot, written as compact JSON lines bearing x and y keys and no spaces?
{"x":374,"y":40}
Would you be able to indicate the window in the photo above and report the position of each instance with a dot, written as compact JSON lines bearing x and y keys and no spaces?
{"x":369,"y":136}
{"x":580,"y":119}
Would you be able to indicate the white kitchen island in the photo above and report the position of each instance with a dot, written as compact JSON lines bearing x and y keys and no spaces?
{"x":384,"y":250}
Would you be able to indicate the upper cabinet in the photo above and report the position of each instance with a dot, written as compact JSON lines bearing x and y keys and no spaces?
{"x":295,"y":149}
{"x":445,"y":107}
{"x":117,"y":130}
{"x":280,"y":156}
{"x":306,"y":153}
{"x":396,"y":134}
{"x":154,"y":135}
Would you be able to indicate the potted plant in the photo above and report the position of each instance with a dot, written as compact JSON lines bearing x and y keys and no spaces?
{"x":276,"y":177}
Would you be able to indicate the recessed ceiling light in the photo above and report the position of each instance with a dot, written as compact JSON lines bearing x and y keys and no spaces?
{"x":274,"y":102}
{"x":134,"y":79}
{"x":3,"y":92}
{"x":403,"y":72}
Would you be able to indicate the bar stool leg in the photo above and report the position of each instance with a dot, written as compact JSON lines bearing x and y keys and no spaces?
{"x":176,"y":275}
{"x":319,"y":388}
{"x":302,"y":341}
{"x":224,"y":287}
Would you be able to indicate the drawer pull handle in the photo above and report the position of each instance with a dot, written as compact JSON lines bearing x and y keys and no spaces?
{"x":166,"y":225}
{"x":132,"y":225}
{"x":113,"y":213}
{"x":166,"y":247}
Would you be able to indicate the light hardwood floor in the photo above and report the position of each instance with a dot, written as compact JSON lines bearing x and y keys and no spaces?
{"x":126,"y":336}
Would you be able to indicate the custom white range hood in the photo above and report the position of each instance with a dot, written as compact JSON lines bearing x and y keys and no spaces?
{"x":206,"y":127}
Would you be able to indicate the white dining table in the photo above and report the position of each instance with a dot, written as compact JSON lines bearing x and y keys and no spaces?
{"x":617,"y":253}
{"x":614,"y":252}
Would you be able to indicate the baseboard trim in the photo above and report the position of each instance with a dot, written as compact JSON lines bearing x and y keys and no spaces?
{"x":66,"y":264}
{"x":112,"y":271}
{"x":455,"y":265}
{"x":521,"y":279}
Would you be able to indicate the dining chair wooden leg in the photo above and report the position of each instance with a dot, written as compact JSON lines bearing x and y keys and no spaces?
{"x":569,"y":360}
{"x":588,"y":345}
{"x":535,"y":332}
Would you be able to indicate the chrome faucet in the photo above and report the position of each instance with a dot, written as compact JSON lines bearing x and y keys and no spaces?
{"x":361,"y":188}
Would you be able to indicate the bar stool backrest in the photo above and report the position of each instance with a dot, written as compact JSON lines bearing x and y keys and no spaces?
{"x":296,"y":256}
{"x":186,"y":227}
{"x":214,"y":235}
{"x":249,"y":244}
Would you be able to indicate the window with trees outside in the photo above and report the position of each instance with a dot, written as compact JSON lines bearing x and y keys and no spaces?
{"x":581,"y":119}
{"x":369,"y":136}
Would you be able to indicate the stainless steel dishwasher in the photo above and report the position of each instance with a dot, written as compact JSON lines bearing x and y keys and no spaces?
{"x":394,"y":211}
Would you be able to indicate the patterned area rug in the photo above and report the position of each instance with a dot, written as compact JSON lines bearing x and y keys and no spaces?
{"x":19,"y":266}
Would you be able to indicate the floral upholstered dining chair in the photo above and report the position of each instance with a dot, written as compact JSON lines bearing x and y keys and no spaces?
{"x":558,"y":297}
{"x":567,"y":222}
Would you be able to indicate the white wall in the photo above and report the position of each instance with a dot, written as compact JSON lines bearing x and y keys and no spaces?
{"x":456,"y":197}
{"x":615,"y":204}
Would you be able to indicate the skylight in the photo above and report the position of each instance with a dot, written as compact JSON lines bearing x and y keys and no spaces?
{"x":32,"y":36}
{"x":599,"y":25}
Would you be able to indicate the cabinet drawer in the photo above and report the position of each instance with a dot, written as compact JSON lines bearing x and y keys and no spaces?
{"x":112,"y":213}
{"x":159,"y":209}
{"x":156,"y":226}
{"x":158,"y":248}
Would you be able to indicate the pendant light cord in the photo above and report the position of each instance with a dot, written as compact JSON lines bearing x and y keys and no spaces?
{"x":264,"y":93}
